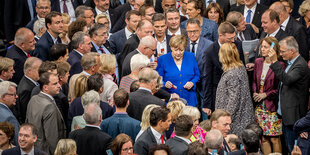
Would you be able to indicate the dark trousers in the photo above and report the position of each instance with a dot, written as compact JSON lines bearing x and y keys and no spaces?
{"x":289,"y":136}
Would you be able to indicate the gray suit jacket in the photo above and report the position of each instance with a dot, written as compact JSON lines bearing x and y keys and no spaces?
{"x":177,"y":146}
{"x":44,"y":114}
{"x":294,"y":92}
{"x":145,"y":142}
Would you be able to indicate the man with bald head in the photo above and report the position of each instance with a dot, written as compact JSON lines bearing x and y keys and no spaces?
{"x":144,"y":28}
{"x":146,"y":47}
{"x":292,"y":27}
{"x":24,"y":43}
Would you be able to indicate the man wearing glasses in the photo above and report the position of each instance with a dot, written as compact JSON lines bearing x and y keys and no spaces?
{"x":43,"y":7}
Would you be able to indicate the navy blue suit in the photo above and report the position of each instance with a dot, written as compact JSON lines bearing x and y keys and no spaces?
{"x":19,"y":58}
{"x":120,"y":123}
{"x":212,"y":72}
{"x":303,"y":125}
{"x":55,"y":5}
{"x":208,"y":29}
{"x":16,"y":150}
{"x":7,"y":115}
{"x":31,"y":23}
{"x":75,"y":62}
{"x":76,"y":109}
{"x":117,"y":41}
{"x":43,"y":47}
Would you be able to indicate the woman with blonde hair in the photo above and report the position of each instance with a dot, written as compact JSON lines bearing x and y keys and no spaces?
{"x":66,"y":22}
{"x":80,"y":86}
{"x":145,"y":122}
{"x":175,"y":108}
{"x":233,"y":92}
{"x":107,"y":69}
{"x":65,"y":147}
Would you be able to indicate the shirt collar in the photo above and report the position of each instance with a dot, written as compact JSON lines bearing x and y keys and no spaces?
{"x":36,"y":83}
{"x":54,"y":39}
{"x":292,"y":61}
{"x":127,"y":33}
{"x":100,"y":12}
{"x":284,"y":24}
{"x":252,"y":9}
{"x":145,"y":89}
{"x":95,"y":45}
{"x":176,"y":33}
{"x":4,"y":105}
{"x":185,"y":139}
{"x":156,"y":134}
{"x":30,"y":153}
{"x":87,"y":74}
{"x":162,"y":41}
{"x":51,"y":97}
{"x":94,"y":126}
{"x":197,"y":41}
{"x":78,"y":52}
{"x":274,"y":33}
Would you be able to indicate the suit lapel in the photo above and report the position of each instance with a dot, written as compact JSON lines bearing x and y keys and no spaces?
{"x":54,"y":104}
{"x":149,"y":131}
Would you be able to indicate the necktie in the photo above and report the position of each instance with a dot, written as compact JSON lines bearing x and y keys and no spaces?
{"x":162,"y":139}
{"x":241,"y":36}
{"x":101,"y":49}
{"x":248,"y":17}
{"x":114,"y":78}
{"x":173,"y":35}
{"x":65,"y":8}
{"x":28,"y":55}
{"x":193,"y":47}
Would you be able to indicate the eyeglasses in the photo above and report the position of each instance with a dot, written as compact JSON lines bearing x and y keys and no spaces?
{"x":282,"y":51}
{"x":15,"y":95}
{"x":154,"y":50}
{"x":127,"y":149}
{"x":42,"y":8}
{"x":194,"y":31}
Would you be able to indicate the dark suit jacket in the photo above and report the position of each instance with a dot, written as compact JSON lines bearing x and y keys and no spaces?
{"x":212,"y":72}
{"x":113,"y":19}
{"x":113,"y":4}
{"x":144,"y":142}
{"x":55,"y":5}
{"x":76,"y":109}
{"x":117,"y":41}
{"x":31,"y":23}
{"x":224,"y":148}
{"x":75,"y":61}
{"x":294,"y":28}
{"x":279,"y":36}
{"x":17,"y":15}
{"x":303,"y":125}
{"x":139,"y":100}
{"x":225,"y":5}
{"x":260,"y":9}
{"x":91,"y":140}
{"x":16,"y":151}
{"x":24,"y":91}
{"x":120,"y":123}
{"x":19,"y":58}
{"x":43,"y":47}
{"x":249,"y":33}
{"x":130,"y":45}
{"x":177,"y":146}
{"x":120,"y":15}
{"x":126,"y":70}
{"x":294,"y":93}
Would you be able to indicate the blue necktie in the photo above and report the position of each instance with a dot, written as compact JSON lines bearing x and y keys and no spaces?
{"x":248,"y":17}
{"x":193,"y":47}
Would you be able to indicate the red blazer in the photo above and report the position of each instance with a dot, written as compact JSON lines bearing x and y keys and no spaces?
{"x":270,"y":85}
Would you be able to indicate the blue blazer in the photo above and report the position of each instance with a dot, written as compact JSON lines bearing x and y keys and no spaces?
{"x":75,"y":62}
{"x":203,"y":44}
{"x":189,"y":72}
{"x":117,"y":41}
{"x":120,"y":123}
{"x":208,"y":29}
{"x":303,"y":125}
{"x":43,"y":47}
{"x":7,"y":115}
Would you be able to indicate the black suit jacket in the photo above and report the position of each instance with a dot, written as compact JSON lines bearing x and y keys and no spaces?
{"x":16,"y":151}
{"x":120,"y":15}
{"x":113,"y":19}
{"x":139,"y":100}
{"x":55,"y":5}
{"x":24,"y":94}
{"x":43,"y":47}
{"x":225,"y":5}
{"x":91,"y":140}
{"x":224,"y":148}
{"x":75,"y":61}
{"x":126,"y":70}
{"x":144,"y":142}
{"x":212,"y":72}
{"x":113,"y":4}
{"x":294,"y":28}
{"x":260,"y":9}
{"x":294,"y":93}
{"x":117,"y":41}
{"x":130,"y":45}
{"x":177,"y":146}
{"x":19,"y":58}
{"x":249,"y":33}
{"x":279,"y":36}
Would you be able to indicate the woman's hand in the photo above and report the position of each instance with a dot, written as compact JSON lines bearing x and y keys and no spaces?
{"x":189,"y":85}
{"x":168,"y":85}
{"x":259,"y":97}
{"x":273,"y":55}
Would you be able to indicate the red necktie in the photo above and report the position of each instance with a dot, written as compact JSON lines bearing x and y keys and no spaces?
{"x":173,"y":35}
{"x":65,"y":8}
{"x":162,"y":139}
{"x":28,"y":55}
{"x":114,"y":78}
{"x":101,"y":49}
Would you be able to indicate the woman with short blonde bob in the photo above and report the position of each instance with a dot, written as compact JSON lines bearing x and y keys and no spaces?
{"x":175,"y":108}
{"x":66,"y":147}
{"x":233,"y":92}
{"x":66,"y":22}
{"x":107,"y":69}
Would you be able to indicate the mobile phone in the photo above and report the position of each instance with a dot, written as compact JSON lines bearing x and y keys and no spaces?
{"x":272,"y":45}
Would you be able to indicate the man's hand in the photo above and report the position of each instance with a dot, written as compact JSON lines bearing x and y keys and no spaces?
{"x":249,"y":66}
{"x":304,"y":135}
{"x":207,"y":111}
{"x":296,"y":150}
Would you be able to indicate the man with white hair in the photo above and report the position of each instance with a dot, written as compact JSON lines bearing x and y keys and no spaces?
{"x":87,"y":139}
{"x":8,"y":99}
{"x":147,"y":47}
{"x":214,"y":140}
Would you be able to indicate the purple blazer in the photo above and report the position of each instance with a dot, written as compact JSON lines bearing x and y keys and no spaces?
{"x":270,"y":85}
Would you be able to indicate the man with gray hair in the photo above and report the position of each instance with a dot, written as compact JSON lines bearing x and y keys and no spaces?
{"x":26,"y":85}
{"x":86,"y":13}
{"x":81,"y":45}
{"x":43,"y":7}
{"x":6,"y":69}
{"x":143,"y":96}
{"x":214,"y":140}
{"x":88,"y":138}
{"x":294,"y":87}
{"x":7,"y":100}
{"x":24,"y":43}
{"x":147,"y":47}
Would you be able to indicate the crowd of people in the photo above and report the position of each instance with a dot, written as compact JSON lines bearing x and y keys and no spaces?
{"x":154,"y":77}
